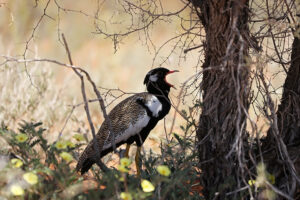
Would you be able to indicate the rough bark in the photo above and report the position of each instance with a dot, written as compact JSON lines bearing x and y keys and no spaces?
{"x":288,"y":123}
{"x":288,"y":113}
{"x":225,"y":89}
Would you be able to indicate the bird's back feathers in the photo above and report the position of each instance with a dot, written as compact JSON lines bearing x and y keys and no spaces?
{"x":127,"y":119}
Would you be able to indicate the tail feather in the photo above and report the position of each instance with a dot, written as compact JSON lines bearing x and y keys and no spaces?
{"x":87,"y":164}
{"x":85,"y":161}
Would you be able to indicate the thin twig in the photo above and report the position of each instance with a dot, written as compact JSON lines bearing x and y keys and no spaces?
{"x":86,"y":107}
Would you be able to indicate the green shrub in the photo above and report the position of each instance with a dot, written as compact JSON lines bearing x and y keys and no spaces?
{"x":51,"y":175}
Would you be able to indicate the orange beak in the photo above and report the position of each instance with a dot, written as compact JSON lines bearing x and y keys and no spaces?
{"x":170,"y":72}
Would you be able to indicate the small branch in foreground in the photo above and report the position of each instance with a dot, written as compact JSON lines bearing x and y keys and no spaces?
{"x":86,"y":107}
{"x":101,"y":102}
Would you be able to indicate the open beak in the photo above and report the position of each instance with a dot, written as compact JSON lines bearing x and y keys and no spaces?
{"x":170,"y":72}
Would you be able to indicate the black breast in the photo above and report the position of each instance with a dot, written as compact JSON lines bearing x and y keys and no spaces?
{"x":141,"y":137}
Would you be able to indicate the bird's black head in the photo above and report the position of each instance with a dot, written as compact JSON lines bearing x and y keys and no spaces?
{"x":156,"y":82}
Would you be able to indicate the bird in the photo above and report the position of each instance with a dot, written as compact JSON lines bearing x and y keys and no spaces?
{"x":131,"y":120}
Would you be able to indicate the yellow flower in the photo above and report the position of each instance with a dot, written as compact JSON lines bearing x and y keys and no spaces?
{"x":66,"y":156}
{"x":163,"y":170}
{"x":125,"y":196}
{"x":16,"y":190}
{"x":251,"y":182}
{"x":147,"y":186}
{"x":123,"y":169}
{"x":70,"y":144}
{"x":61,"y":144}
{"x":78,"y":137}
{"x":16,"y":163}
{"x":21,"y":137}
{"x":30,"y":178}
{"x":122,"y":179}
{"x":125,"y":162}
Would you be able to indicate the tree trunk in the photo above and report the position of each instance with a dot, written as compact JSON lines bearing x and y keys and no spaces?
{"x":288,"y":120}
{"x":225,"y":88}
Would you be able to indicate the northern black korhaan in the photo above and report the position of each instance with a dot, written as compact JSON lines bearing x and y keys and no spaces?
{"x":132,"y":119}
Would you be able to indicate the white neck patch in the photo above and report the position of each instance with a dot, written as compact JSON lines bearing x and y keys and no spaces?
{"x":154,"y":105}
{"x":153,"y":78}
